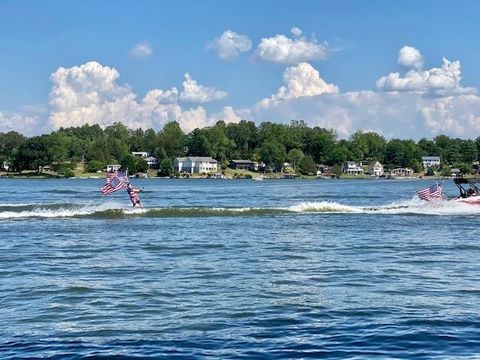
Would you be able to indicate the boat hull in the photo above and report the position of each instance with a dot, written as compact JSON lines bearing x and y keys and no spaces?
{"x":472,"y":200}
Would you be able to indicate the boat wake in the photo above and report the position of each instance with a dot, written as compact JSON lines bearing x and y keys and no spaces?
{"x":114,"y":210}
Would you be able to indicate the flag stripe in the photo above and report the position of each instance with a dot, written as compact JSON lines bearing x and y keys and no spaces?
{"x":115,"y":181}
{"x":430,"y":193}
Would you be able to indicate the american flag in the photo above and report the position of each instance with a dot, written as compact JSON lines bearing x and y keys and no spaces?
{"x":432,"y":192}
{"x":115,"y":181}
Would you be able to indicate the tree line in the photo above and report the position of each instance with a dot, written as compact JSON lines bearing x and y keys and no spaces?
{"x":272,"y":143}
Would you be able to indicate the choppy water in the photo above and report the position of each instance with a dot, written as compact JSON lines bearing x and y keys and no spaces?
{"x":237,"y":269}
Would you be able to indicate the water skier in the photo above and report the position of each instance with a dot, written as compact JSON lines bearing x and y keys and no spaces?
{"x":133,"y":193}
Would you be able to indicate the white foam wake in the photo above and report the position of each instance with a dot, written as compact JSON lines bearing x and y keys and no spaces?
{"x":417,"y":206}
{"x":413,"y":206}
{"x":60,"y":212}
{"x":323,"y":206}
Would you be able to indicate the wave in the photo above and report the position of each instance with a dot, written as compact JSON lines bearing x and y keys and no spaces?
{"x":114,"y":210}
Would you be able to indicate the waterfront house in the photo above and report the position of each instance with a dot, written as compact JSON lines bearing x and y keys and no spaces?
{"x":323,"y":169}
{"x":141,"y":154}
{"x":455,"y":172}
{"x":475,"y":167}
{"x":113,"y":168}
{"x":195,"y":165}
{"x":402,"y":172}
{"x":352,"y":168}
{"x":244,"y":165}
{"x":429,"y":161}
{"x":375,"y":169}
{"x":151,"y":160}
{"x":5,"y":166}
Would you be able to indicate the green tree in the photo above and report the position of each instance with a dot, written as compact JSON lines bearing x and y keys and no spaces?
{"x":368,"y":146}
{"x":119,"y":132}
{"x":98,"y":150}
{"x":137,"y":140}
{"x":166,"y":168}
{"x":244,"y":138}
{"x":428,"y":147}
{"x":9,"y":145}
{"x":94,"y":166}
{"x":339,"y":154}
{"x":220,"y":144}
{"x":296,"y":135}
{"x":141,"y":164}
{"x":34,"y":154}
{"x":198,"y":144}
{"x":402,"y":153}
{"x":295,"y":156}
{"x":273,"y":153}
{"x":465,"y":168}
{"x":172,"y":140}
{"x":449,"y":149}
{"x":321,"y":145}
{"x":307,"y":166}
{"x":468,"y":151}
{"x":128,"y":162}
{"x":446,"y":171}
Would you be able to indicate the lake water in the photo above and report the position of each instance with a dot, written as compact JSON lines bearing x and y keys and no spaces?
{"x":237,"y":269}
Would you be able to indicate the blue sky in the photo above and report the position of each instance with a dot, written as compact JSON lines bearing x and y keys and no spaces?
{"x":328,"y":56}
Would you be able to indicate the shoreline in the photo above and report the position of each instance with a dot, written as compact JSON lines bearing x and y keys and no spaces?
{"x":277,"y":177}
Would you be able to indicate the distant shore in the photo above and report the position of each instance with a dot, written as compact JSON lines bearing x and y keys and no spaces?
{"x":230,"y":176}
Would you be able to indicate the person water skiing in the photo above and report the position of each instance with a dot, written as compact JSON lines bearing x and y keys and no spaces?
{"x":133,"y":193}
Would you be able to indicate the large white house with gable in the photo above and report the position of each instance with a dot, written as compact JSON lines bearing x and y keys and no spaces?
{"x":195,"y":165}
{"x":429,"y":161}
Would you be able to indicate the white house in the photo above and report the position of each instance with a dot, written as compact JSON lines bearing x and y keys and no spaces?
{"x":141,"y":154}
{"x":352,"y":168}
{"x":375,"y":169}
{"x":429,"y":161}
{"x":402,"y":172}
{"x":5,"y":166}
{"x":151,"y":161}
{"x":113,"y":168}
{"x":195,"y":165}
{"x":456,"y":172}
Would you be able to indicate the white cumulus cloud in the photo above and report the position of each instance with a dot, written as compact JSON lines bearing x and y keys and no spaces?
{"x":90,"y":94}
{"x":141,"y":50}
{"x":301,"y":80}
{"x":230,"y":44}
{"x":399,"y":114}
{"x":441,"y":81}
{"x":297,"y":32}
{"x":410,"y":57}
{"x":12,"y":121}
{"x":284,"y":50}
{"x":193,"y":92}
{"x":404,"y":115}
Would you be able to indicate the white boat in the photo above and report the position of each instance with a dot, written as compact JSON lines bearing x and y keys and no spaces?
{"x":469,"y":191}
{"x":218,"y":176}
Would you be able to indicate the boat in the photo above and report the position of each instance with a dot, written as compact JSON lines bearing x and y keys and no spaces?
{"x":469,"y":191}
{"x":218,"y":176}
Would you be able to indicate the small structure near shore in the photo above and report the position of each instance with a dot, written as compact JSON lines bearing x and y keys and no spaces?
{"x":402,"y":172}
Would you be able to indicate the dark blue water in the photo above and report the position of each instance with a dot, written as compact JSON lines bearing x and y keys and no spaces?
{"x":237,"y":269}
